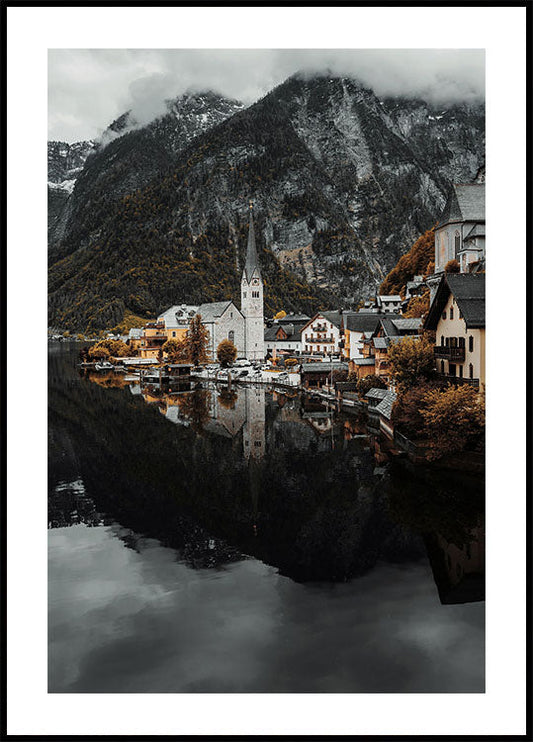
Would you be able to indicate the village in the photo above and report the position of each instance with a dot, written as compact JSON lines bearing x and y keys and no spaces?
{"x":420,"y":375}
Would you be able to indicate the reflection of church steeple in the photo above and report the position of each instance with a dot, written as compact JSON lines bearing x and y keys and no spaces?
{"x":254,"y":427}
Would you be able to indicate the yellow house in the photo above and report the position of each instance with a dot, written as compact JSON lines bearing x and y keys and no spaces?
{"x":153,"y":337}
{"x":176,"y":320}
{"x":457,"y":316}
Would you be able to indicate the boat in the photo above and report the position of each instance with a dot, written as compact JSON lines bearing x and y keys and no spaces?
{"x":104,"y":366}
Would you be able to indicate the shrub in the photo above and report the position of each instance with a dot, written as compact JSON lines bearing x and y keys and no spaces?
{"x":226,"y":352}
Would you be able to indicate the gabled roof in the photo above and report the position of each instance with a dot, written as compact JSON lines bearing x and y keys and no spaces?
{"x":361,"y":322}
{"x":385,"y":406}
{"x":178,"y":315}
{"x":468,"y":290}
{"x":295,"y":318}
{"x":333,"y":317}
{"x":376,"y":393}
{"x":381,"y":343}
{"x":251,"y":266}
{"x":466,"y":203}
{"x":211,"y":311}
{"x":404,"y":324}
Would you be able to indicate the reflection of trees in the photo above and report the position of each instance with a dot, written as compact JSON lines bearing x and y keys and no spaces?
{"x":194,"y":407}
{"x":318,"y":516}
{"x":227,"y":399}
{"x":437,"y":503}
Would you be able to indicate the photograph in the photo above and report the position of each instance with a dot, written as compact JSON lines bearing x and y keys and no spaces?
{"x":266,"y":375}
{"x":266,"y":471}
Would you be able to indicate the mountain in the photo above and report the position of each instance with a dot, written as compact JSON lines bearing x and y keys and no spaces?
{"x":65,"y":163}
{"x":343,"y":183}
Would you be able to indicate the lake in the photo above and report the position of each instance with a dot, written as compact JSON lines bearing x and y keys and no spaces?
{"x":248,"y":541}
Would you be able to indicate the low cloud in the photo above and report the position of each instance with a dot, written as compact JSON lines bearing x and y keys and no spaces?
{"x":88,"y":89}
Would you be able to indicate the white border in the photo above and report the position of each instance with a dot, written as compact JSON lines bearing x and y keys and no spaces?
{"x":31,"y":31}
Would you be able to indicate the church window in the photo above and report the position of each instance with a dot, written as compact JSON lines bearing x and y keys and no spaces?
{"x":444,"y":315}
{"x":457,"y":242}
{"x":244,"y":294}
{"x":231,"y":336}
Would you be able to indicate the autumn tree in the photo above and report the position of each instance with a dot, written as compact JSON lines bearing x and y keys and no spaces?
{"x":452,"y":266}
{"x":226,"y":352}
{"x":197,"y":340}
{"x":418,"y":305}
{"x":411,"y":264}
{"x":411,"y":360}
{"x":194,"y":407}
{"x":282,"y":313}
{"x":407,"y":410}
{"x":368,"y":382}
{"x":114,"y":348}
{"x":454,"y":419}
{"x":98,"y":352}
{"x":176,"y":351}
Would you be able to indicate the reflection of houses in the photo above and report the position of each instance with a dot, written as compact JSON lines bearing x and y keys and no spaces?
{"x":284,"y":336}
{"x":321,"y":335}
{"x":457,"y":315}
{"x":459,"y":571}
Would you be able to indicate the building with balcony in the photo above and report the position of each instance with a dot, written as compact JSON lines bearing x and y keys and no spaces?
{"x":321,"y":336}
{"x":457,"y":316}
{"x":284,"y":336}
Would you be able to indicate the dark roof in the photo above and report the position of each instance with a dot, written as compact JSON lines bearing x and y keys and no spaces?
{"x":252,"y":261}
{"x":466,"y":203}
{"x":364,"y":361}
{"x":468,"y":290}
{"x":296,"y":318}
{"x":333,"y":317}
{"x":376,"y":393}
{"x":361,"y":322}
{"x":324,"y":366}
{"x":478,"y":230}
{"x":407,"y":323}
{"x":385,"y":406}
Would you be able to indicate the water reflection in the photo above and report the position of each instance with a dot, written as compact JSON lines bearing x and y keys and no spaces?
{"x":214,"y":537}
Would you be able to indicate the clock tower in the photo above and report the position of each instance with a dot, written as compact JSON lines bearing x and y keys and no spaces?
{"x":252,"y":300}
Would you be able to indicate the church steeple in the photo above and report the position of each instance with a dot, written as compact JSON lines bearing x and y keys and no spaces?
{"x":252,"y":300}
{"x":252,"y":262}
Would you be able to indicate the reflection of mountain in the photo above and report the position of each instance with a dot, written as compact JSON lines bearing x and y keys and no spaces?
{"x":319,"y":512}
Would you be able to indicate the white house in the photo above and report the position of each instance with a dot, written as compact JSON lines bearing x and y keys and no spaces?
{"x":321,"y":335}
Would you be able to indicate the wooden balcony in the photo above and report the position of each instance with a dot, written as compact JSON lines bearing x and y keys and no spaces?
{"x":459,"y":380}
{"x":454,"y":355}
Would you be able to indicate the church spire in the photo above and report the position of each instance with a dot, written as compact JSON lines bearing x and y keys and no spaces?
{"x":252,"y":262}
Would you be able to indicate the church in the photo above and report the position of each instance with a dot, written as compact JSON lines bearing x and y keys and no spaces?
{"x":223,"y":320}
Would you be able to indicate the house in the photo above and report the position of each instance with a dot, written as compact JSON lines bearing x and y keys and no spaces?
{"x":380,"y":403}
{"x":176,"y":320}
{"x":457,"y":316}
{"x":461,"y":231}
{"x":375,"y":345}
{"x":134,"y":338}
{"x":355,"y":325}
{"x":284,"y":336}
{"x":152,"y":339}
{"x":322,"y":373}
{"x":321,"y":334}
{"x":389,"y":303}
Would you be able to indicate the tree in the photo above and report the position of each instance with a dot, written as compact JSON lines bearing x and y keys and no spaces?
{"x":454,"y":419}
{"x":411,"y":264}
{"x":452,"y":266}
{"x":411,"y":360}
{"x":418,"y":305}
{"x":282,"y":313}
{"x":197,"y":340}
{"x":290,"y":362}
{"x":407,"y":410}
{"x":371,"y":381}
{"x":226,"y":352}
{"x":98,"y":352}
{"x":176,"y":351}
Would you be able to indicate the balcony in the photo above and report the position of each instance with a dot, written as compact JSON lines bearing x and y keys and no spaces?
{"x":458,"y":380}
{"x":454,"y":355}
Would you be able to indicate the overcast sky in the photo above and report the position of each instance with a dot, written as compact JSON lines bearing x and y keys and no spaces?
{"x":89,"y":88}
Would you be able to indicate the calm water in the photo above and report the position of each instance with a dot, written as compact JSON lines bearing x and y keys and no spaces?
{"x":248,"y":542}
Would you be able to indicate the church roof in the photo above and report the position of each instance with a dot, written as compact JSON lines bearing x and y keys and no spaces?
{"x":252,"y":261}
{"x":466,"y":203}
{"x":213,"y":310}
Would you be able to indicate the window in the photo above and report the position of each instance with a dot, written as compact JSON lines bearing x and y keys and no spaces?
{"x":255,"y":294}
{"x":244,"y":294}
{"x":460,"y":372}
{"x":444,"y":315}
{"x":442,"y":367}
{"x":471,"y":370}
{"x":442,"y":340}
{"x":173,"y":333}
{"x":451,"y":312}
{"x":461,"y":342}
{"x":470,"y":343}
{"x":231,"y":336}
{"x":231,"y":315}
{"x":457,"y":242}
